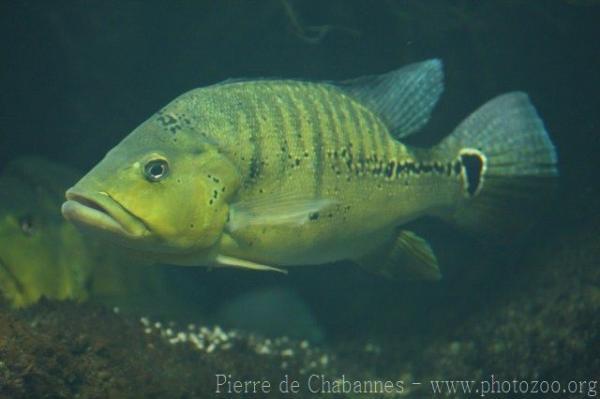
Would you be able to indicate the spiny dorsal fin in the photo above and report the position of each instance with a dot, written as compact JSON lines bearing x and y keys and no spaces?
{"x":403,"y":98}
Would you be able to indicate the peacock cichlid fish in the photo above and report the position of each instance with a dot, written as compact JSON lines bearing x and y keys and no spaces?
{"x":268,"y":173}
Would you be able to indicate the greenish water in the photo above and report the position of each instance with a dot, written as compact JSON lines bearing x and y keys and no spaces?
{"x":77,"y":77}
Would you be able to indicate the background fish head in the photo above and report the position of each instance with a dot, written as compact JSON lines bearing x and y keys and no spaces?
{"x":34,"y":243}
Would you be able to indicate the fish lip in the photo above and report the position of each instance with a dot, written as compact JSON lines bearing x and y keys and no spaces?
{"x":100,"y":211}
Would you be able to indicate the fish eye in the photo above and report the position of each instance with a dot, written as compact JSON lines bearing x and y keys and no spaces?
{"x":26,"y":224}
{"x":156,"y":170}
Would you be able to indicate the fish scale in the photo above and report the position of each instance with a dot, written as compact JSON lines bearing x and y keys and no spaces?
{"x":359,"y":143}
{"x":317,"y":120}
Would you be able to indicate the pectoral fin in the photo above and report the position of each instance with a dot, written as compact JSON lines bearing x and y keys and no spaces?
{"x":408,"y":256}
{"x":282,"y":209}
{"x":229,"y":261}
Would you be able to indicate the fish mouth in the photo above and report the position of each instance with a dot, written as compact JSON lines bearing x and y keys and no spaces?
{"x":101,"y":212}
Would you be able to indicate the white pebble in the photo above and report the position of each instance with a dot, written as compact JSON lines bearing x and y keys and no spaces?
{"x":324,"y":360}
{"x":287,"y":353}
{"x":182,"y":336}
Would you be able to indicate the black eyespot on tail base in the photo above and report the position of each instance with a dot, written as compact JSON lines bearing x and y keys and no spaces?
{"x":473,"y":163}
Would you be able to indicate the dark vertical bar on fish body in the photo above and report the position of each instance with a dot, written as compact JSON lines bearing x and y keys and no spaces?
{"x":336,"y":131}
{"x":296,"y":134}
{"x":309,"y":128}
{"x":347,"y":126}
{"x":252,"y":113}
{"x":243,"y":126}
{"x":282,"y":127}
{"x":373,"y":132}
{"x":329,"y":143}
{"x":364,"y":133}
{"x":357,"y":125}
{"x":314,"y":109}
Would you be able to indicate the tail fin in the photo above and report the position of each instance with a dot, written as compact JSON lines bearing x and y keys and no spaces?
{"x":508,"y":165}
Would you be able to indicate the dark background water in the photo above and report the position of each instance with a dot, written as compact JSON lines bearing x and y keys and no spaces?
{"x":77,"y":76}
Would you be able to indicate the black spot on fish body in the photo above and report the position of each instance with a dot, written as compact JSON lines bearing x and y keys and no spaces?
{"x":439,"y":168}
{"x":167,"y":119}
{"x":313,"y":216}
{"x":349,"y":164}
{"x":390,"y":169}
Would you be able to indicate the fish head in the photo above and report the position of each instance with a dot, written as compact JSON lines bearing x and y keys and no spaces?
{"x":155,"y":194}
{"x":19,"y":230}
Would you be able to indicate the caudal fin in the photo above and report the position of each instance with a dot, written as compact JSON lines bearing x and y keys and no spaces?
{"x":508,"y":165}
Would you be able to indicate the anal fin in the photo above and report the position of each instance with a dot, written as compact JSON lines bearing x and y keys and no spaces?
{"x":406,"y":257}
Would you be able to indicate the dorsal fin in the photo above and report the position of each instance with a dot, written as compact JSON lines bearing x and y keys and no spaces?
{"x":403,"y":98}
